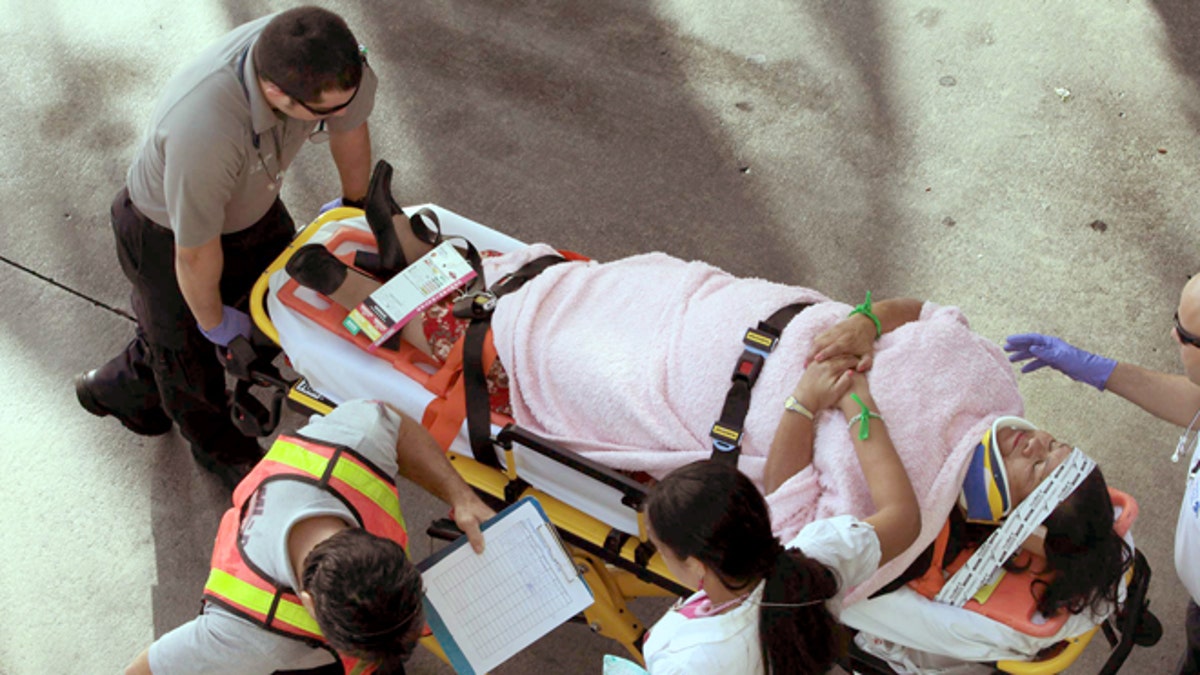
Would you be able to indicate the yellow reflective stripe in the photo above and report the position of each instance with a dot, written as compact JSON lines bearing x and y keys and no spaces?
{"x":358,"y":477}
{"x":294,"y":614}
{"x":298,"y":457}
{"x":370,"y":486}
{"x":252,"y":597}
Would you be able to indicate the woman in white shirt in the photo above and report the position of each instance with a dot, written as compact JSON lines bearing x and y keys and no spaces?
{"x":763,"y":607}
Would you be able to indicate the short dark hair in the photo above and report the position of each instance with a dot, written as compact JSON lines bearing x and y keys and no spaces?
{"x":712,"y":512}
{"x":306,"y":51}
{"x":366,"y":597}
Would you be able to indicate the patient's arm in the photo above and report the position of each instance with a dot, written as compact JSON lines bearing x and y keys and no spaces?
{"x":897,"y":517}
{"x":821,"y":387}
{"x":855,"y":335}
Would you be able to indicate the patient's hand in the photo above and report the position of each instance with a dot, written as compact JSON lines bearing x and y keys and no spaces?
{"x":853,"y":336}
{"x":824,"y":383}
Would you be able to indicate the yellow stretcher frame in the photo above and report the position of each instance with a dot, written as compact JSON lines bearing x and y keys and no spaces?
{"x":615,"y":576}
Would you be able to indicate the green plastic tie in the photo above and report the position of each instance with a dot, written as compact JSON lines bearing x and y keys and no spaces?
{"x":865,"y":308}
{"x":863,"y":418}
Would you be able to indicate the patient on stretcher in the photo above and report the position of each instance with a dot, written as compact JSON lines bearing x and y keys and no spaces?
{"x":628,"y":363}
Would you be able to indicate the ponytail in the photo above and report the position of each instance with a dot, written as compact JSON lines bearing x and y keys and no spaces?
{"x":712,"y":512}
{"x":796,"y":631}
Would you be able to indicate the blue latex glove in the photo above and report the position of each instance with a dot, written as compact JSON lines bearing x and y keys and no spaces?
{"x":234,"y":323}
{"x":330,"y":205}
{"x":1046,"y":350}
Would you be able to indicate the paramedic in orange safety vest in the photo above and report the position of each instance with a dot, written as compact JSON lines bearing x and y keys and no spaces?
{"x":1170,"y":397}
{"x":309,"y":566}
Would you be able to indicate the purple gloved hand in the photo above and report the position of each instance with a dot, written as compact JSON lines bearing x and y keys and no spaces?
{"x":330,"y":205}
{"x":1046,"y":350}
{"x":234,"y":323}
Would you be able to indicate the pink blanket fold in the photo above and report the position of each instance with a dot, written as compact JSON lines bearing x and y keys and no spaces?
{"x":629,"y":362}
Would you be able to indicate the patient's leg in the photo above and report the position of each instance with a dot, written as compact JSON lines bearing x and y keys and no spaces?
{"x":315,"y":267}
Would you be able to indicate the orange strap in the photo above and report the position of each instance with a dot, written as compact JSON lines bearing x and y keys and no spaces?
{"x":932,"y":581}
{"x":445,"y":414}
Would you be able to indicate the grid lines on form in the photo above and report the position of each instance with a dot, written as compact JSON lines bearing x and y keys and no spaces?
{"x":500,"y":598}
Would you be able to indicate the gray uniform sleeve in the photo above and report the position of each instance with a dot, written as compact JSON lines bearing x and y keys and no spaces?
{"x":202,"y":162}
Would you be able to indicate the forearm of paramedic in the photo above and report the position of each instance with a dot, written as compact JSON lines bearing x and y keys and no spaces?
{"x":198,"y":270}
{"x":1169,"y":397}
{"x":351,"y":152}
{"x":421,"y":460}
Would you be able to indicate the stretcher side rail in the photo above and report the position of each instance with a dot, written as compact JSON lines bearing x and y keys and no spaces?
{"x":633,"y":491}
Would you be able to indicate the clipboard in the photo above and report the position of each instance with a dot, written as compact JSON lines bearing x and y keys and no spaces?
{"x":483,"y":609}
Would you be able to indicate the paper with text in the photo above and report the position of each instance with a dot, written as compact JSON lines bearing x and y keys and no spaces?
{"x":485,"y":608}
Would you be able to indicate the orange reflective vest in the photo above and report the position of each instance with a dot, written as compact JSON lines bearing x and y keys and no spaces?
{"x":239,"y":587}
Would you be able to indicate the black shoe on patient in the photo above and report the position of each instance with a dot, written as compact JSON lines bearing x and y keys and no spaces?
{"x":314,"y":266}
{"x":380,"y":207}
{"x":150,"y":422}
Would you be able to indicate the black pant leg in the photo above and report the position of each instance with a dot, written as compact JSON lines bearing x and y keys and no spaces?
{"x":189,"y":378}
{"x":126,"y":385}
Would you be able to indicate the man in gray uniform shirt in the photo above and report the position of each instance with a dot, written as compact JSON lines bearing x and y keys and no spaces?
{"x":200,"y":216}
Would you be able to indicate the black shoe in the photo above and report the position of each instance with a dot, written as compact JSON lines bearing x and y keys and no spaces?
{"x":380,"y":207}
{"x":152,"y":422}
{"x":313,"y":266}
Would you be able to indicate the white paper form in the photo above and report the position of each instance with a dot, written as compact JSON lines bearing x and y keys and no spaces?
{"x":483,"y":609}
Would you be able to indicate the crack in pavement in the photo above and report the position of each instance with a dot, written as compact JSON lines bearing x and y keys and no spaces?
{"x":72,"y":291}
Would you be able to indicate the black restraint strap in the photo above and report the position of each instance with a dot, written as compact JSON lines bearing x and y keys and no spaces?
{"x":759,"y":342}
{"x":478,"y":307}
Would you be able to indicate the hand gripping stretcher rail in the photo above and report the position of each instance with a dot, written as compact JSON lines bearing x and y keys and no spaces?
{"x":596,"y":510}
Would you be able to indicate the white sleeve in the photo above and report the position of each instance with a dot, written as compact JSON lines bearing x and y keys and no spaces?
{"x":211,"y":642}
{"x":911,"y":620}
{"x":844,"y":544}
{"x":907,"y":618}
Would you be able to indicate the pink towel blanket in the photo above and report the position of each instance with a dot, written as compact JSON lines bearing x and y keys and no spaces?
{"x":628,"y":363}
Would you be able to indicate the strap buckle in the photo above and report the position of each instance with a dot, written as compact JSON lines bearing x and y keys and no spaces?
{"x":748,"y":366}
{"x":475,"y":305}
{"x":725,"y":438}
{"x":759,"y":342}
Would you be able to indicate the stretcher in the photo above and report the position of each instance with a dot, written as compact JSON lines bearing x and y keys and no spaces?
{"x":596,"y":510}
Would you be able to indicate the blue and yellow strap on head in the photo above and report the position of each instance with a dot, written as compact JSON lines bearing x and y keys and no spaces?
{"x":985,"y":495}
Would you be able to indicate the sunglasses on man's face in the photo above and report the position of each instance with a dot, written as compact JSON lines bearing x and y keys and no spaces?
{"x":323,"y":112}
{"x":1184,"y":336}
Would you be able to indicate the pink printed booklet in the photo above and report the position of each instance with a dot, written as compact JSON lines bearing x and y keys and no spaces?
{"x":431,"y":278}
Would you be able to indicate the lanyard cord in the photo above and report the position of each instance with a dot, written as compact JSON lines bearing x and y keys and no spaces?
{"x":254,"y":136}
